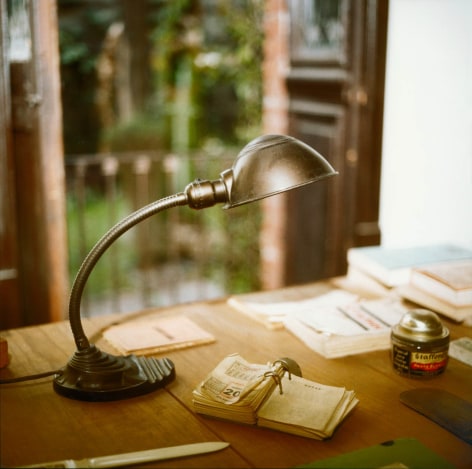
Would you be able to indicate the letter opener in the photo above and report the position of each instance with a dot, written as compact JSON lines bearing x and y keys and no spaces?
{"x":136,"y":457}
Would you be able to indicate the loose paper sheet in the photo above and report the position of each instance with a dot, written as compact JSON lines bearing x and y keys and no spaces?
{"x":157,"y":335}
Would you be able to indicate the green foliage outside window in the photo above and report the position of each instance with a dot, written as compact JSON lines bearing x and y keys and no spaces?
{"x":206,"y":93}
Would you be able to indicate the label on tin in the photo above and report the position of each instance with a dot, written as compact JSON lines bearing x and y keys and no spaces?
{"x":419,"y":363}
{"x":428,"y":363}
{"x":401,"y":360}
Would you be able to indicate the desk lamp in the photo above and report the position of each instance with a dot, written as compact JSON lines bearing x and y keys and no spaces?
{"x":268,"y":165}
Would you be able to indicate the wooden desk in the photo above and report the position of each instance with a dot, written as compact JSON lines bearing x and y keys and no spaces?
{"x":37,"y":425}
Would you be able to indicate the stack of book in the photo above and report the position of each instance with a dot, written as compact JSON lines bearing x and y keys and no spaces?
{"x":392,"y":267}
{"x":437,"y":277}
{"x":445,"y":288}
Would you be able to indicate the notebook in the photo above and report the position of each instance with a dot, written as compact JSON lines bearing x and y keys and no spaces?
{"x":402,"y":453}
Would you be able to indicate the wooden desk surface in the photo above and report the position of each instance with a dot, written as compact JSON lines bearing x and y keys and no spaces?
{"x":37,"y":425}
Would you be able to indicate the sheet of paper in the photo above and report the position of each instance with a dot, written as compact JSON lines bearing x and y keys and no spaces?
{"x":352,"y":318}
{"x":281,"y":308}
{"x":154,"y":335}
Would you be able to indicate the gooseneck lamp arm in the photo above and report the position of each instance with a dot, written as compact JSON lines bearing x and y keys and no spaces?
{"x":266,"y":166}
{"x":94,"y":255}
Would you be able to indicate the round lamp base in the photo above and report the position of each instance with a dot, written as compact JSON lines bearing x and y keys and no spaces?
{"x":93,"y":375}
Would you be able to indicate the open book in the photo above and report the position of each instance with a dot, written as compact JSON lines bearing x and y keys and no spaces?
{"x":346,"y":328}
{"x":272,"y":314}
{"x":272,"y":396}
{"x":333,"y":324}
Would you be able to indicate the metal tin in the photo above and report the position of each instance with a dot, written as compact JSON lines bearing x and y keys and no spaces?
{"x":420,"y":344}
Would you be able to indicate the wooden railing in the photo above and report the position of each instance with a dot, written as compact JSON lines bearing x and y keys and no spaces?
{"x":176,"y":256}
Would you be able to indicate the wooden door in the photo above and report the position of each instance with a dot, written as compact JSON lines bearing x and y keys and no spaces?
{"x":335,"y":84}
{"x":33,"y":243}
{"x":9,"y":290}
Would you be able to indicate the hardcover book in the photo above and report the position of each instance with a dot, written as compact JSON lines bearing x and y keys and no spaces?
{"x":402,"y":453}
{"x":392,"y":266}
{"x":271,"y":307}
{"x":426,"y":300}
{"x":449,"y":281}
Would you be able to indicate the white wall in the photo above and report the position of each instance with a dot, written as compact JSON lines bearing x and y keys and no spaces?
{"x":426,"y":183}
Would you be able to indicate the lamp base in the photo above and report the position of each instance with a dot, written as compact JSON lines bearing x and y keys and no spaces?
{"x":93,"y":375}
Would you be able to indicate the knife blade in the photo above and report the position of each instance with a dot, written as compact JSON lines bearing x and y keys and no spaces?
{"x":125,"y":459}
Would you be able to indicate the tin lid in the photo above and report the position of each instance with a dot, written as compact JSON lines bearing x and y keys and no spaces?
{"x":421,"y":325}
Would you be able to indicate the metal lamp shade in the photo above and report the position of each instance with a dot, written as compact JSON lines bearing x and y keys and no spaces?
{"x":271,"y":164}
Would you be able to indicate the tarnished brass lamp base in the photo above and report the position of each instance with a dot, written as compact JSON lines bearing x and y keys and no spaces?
{"x":93,"y":375}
